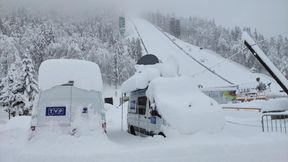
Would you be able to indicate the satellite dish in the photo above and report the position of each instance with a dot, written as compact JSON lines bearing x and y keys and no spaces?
{"x":148,"y":59}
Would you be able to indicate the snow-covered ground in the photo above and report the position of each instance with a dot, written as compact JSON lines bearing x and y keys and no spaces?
{"x":240,"y":140}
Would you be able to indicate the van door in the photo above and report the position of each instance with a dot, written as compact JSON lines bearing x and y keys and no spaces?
{"x":54,"y":106}
{"x":155,"y":120}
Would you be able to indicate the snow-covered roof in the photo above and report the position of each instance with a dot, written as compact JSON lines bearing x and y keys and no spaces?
{"x":184,"y":106}
{"x":86,"y":75}
{"x":145,"y":73}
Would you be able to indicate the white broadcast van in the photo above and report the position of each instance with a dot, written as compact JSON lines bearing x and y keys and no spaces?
{"x":143,"y":119}
{"x":160,"y":99}
{"x":69,"y":91}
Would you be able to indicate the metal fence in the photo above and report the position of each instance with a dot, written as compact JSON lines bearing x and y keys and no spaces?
{"x":275,"y":122}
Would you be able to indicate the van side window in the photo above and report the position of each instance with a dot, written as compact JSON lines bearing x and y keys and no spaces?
{"x":132,"y":105}
{"x":141,"y":105}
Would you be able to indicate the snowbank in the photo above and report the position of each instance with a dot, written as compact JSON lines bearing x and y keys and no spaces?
{"x":184,"y":106}
{"x":265,"y":105}
{"x":19,"y":122}
{"x":85,"y":74}
{"x":113,"y":117}
{"x":145,"y":73}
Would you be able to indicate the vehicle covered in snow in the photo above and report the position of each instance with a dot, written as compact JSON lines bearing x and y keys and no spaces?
{"x":159,"y":99}
{"x":143,"y":117}
{"x":70,"y":92}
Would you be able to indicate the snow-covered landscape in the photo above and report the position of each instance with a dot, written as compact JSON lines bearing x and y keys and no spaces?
{"x":99,"y":84}
{"x":240,"y":140}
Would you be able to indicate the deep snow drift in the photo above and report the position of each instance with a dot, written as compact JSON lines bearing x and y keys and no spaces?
{"x":183,"y":105}
{"x":145,"y":73}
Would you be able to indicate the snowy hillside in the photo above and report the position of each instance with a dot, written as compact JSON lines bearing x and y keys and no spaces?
{"x":206,"y":67}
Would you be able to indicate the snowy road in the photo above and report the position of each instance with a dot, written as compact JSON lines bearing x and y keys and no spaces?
{"x":235,"y":143}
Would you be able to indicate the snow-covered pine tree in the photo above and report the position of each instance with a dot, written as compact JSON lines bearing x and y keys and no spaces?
{"x":134,"y":48}
{"x":138,"y":49}
{"x":20,"y":88}
{"x":8,"y":54}
{"x":29,"y":85}
{"x":10,"y":98}
{"x":122,"y":63}
{"x":117,"y":52}
{"x":2,"y":86}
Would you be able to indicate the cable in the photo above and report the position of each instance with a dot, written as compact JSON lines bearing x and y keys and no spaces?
{"x":142,"y":42}
{"x":185,"y":52}
{"x":241,"y":50}
{"x":225,"y":59}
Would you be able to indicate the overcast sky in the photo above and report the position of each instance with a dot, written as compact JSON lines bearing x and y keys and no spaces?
{"x":269,"y":17}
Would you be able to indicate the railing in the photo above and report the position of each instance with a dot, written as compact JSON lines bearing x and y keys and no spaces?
{"x":243,"y":108}
{"x":275,"y":122}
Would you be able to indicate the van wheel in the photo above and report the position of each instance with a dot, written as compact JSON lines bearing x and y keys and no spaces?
{"x":132,"y":131}
{"x":162,"y":134}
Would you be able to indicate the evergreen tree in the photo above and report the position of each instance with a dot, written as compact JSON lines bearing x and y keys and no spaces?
{"x":138,"y":49}
{"x":19,"y":88}
{"x":122,"y":64}
{"x":12,"y":101}
{"x":8,"y":54}
{"x":29,"y":85}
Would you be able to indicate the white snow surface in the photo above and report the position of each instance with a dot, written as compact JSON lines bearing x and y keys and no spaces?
{"x":183,"y":105}
{"x":158,"y":44}
{"x":145,"y":73}
{"x":261,"y":54}
{"x":86,"y":75}
{"x":238,"y":142}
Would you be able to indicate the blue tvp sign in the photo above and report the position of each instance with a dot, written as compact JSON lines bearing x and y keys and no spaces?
{"x":56,"y":111}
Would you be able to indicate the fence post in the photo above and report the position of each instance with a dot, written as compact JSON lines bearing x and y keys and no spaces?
{"x":285,"y":125}
{"x":267,"y":123}
{"x":262,"y":123}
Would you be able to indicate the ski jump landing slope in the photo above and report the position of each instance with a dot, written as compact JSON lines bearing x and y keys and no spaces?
{"x":183,"y":55}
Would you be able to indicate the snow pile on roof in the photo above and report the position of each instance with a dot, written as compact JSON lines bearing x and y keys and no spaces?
{"x":86,"y":75}
{"x":145,"y":73}
{"x":184,"y":106}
